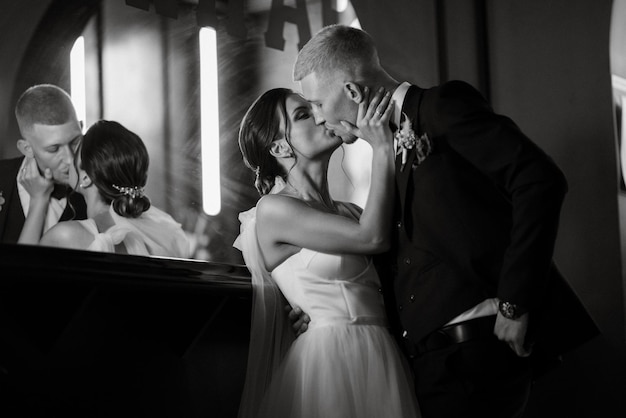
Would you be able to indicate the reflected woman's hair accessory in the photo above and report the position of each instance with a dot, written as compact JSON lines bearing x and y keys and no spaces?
{"x":133,"y":192}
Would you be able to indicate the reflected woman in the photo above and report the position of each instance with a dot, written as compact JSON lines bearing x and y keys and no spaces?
{"x":111,"y":171}
{"x":300,"y":243}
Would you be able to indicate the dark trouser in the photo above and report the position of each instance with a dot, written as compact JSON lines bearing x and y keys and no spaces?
{"x":481,"y":377}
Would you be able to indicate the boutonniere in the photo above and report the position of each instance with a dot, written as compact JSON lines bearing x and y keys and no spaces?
{"x":407,"y":140}
{"x":1,"y":200}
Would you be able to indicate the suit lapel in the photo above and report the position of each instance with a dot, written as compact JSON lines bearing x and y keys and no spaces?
{"x":11,"y":214}
{"x":411,"y":108}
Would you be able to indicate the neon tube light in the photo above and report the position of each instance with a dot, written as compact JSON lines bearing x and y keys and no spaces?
{"x":209,"y":122}
{"x":77,"y":76}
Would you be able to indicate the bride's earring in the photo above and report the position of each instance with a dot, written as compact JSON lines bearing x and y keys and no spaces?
{"x":86,"y":182}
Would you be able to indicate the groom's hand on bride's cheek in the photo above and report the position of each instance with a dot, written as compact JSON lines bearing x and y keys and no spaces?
{"x":299,"y":320}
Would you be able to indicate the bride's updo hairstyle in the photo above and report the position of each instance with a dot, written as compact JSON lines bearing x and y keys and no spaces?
{"x":117,"y":160}
{"x":259,"y":128}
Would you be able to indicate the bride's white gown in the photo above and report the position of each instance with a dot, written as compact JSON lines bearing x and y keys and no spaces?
{"x":346,"y":364}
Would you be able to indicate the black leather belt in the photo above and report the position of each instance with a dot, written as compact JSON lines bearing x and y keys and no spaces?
{"x":461,"y":332}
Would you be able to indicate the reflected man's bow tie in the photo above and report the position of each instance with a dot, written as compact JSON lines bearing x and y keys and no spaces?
{"x":60,"y":191}
{"x":406,"y":140}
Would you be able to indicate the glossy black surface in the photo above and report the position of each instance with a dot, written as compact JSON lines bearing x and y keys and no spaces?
{"x":93,"y":334}
{"x":43,"y":263}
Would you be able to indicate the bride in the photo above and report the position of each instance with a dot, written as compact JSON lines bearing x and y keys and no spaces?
{"x":301,"y":244}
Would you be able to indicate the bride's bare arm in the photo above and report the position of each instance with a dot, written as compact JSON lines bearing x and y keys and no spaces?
{"x":39,"y":188}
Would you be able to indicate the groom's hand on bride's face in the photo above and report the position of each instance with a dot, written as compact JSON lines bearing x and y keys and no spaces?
{"x":299,"y":320}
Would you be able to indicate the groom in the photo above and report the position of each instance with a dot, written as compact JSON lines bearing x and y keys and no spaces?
{"x":39,"y":180}
{"x":470,"y":285}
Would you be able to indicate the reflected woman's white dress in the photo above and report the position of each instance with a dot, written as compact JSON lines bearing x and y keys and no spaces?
{"x":346,"y":364}
{"x":153,"y":233}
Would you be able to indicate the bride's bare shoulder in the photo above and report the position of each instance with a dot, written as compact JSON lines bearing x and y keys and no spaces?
{"x":277,"y":205}
{"x":66,"y":234}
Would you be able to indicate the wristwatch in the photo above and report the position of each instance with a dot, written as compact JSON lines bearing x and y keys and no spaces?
{"x":509,"y":310}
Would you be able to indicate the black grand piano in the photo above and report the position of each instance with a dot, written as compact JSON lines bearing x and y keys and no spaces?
{"x":87,"y":334}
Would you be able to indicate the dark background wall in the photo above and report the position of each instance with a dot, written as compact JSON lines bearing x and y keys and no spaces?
{"x":547,"y":64}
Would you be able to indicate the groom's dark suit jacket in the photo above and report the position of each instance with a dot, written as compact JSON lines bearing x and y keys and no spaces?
{"x":12,"y":214}
{"x":478,"y":219}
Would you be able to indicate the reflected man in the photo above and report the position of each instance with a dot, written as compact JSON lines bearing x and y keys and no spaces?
{"x":50,"y":132}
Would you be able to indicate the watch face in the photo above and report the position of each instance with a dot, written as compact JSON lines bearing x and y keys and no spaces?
{"x":507,"y":310}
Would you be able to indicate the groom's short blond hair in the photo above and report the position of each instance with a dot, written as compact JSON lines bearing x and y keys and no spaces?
{"x":336,"y":48}
{"x":44,"y":104}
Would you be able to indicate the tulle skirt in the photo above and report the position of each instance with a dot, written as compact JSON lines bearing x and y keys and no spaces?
{"x":342,"y":371}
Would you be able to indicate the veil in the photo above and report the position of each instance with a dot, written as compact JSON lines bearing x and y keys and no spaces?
{"x":270,"y":331}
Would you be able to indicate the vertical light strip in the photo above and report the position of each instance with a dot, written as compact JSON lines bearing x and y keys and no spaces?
{"x":342,"y":5}
{"x":209,"y":122}
{"x":77,"y":75}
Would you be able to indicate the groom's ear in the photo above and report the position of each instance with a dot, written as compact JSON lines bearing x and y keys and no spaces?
{"x":353,"y":92}
{"x":281,"y":149}
{"x":25,"y":148}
